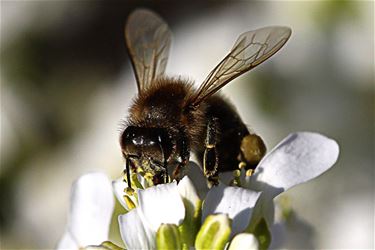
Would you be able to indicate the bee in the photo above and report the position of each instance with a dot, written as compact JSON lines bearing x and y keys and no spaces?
{"x":169,"y":118}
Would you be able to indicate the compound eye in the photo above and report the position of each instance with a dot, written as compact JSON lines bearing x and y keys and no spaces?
{"x":127,"y":137}
{"x":164,"y":139}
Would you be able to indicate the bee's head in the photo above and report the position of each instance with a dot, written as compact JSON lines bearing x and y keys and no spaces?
{"x":148,"y":148}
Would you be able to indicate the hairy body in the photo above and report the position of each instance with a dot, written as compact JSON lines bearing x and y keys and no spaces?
{"x":166,"y":104}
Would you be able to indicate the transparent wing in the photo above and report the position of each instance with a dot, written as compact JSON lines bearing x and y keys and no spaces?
{"x":250,"y":49}
{"x":148,"y":40}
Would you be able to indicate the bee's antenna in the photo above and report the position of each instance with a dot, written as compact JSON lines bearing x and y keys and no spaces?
{"x":128,"y":172}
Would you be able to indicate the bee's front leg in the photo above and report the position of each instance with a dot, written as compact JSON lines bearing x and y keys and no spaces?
{"x":184,"y":157}
{"x":127,"y":171}
{"x":210,"y":157}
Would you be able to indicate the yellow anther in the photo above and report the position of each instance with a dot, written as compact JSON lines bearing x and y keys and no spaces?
{"x":129,"y":203}
{"x":250,"y":172}
{"x":241,"y":165}
{"x":236,"y":173}
{"x":129,"y":191}
{"x":236,"y":178}
{"x":148,"y":176}
{"x":140,"y":170}
{"x":149,"y":179}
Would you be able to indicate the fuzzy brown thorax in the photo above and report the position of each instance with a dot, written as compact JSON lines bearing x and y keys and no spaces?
{"x":165,"y":104}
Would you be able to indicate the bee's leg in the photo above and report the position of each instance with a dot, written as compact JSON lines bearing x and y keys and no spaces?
{"x":184,"y":155}
{"x":166,"y":174}
{"x":210,"y":157}
{"x":128,"y":179}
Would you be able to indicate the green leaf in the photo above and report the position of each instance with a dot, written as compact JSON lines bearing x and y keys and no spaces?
{"x":168,"y":237}
{"x":214,"y":233}
{"x":262,"y":233}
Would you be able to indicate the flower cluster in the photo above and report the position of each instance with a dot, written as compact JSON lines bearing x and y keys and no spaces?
{"x":172,"y":216}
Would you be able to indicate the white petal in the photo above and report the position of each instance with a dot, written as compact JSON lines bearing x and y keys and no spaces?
{"x":91,"y":209}
{"x":67,"y":242}
{"x":196,"y":176}
{"x":265,"y":208}
{"x":118,"y":188}
{"x":298,"y":158}
{"x":187,"y":190}
{"x":134,"y":233}
{"x":237,"y":203}
{"x":161,"y":204}
{"x":244,"y":241}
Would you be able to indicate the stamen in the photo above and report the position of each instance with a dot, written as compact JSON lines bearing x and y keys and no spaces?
{"x":149,"y":179}
{"x":250,"y":172}
{"x":241,"y":165}
{"x":129,"y":191}
{"x":130,"y":204}
{"x":135,"y":181}
{"x":236,"y":178}
{"x":236,"y":173}
{"x":140,"y":170}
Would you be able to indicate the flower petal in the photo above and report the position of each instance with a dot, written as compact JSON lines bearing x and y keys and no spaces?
{"x":236,"y":202}
{"x":298,"y":158}
{"x":244,"y":241}
{"x":265,"y":208}
{"x":161,"y":204}
{"x":119,"y":186}
{"x":187,"y":190}
{"x":196,"y":176}
{"x":134,"y":233}
{"x":91,"y":209}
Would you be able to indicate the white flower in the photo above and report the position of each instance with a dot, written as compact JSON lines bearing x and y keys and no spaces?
{"x":171,"y":203}
{"x":161,"y":204}
{"x":90,"y":212}
{"x":236,"y":202}
{"x":172,"y":212}
{"x":298,"y":158}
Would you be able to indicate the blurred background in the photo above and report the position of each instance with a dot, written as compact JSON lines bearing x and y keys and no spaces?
{"x":66,"y":84}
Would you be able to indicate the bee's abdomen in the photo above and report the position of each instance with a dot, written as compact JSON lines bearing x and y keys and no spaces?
{"x":231,"y":135}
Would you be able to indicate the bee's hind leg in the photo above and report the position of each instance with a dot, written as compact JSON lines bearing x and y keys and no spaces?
{"x":252,"y":150}
{"x":210,"y":156}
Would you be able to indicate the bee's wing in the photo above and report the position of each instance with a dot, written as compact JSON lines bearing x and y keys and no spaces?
{"x":148,"y":40}
{"x":250,"y":49}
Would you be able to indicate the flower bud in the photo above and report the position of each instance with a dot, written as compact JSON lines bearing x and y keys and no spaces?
{"x":244,"y":241}
{"x":168,"y":237}
{"x":214,"y":233}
